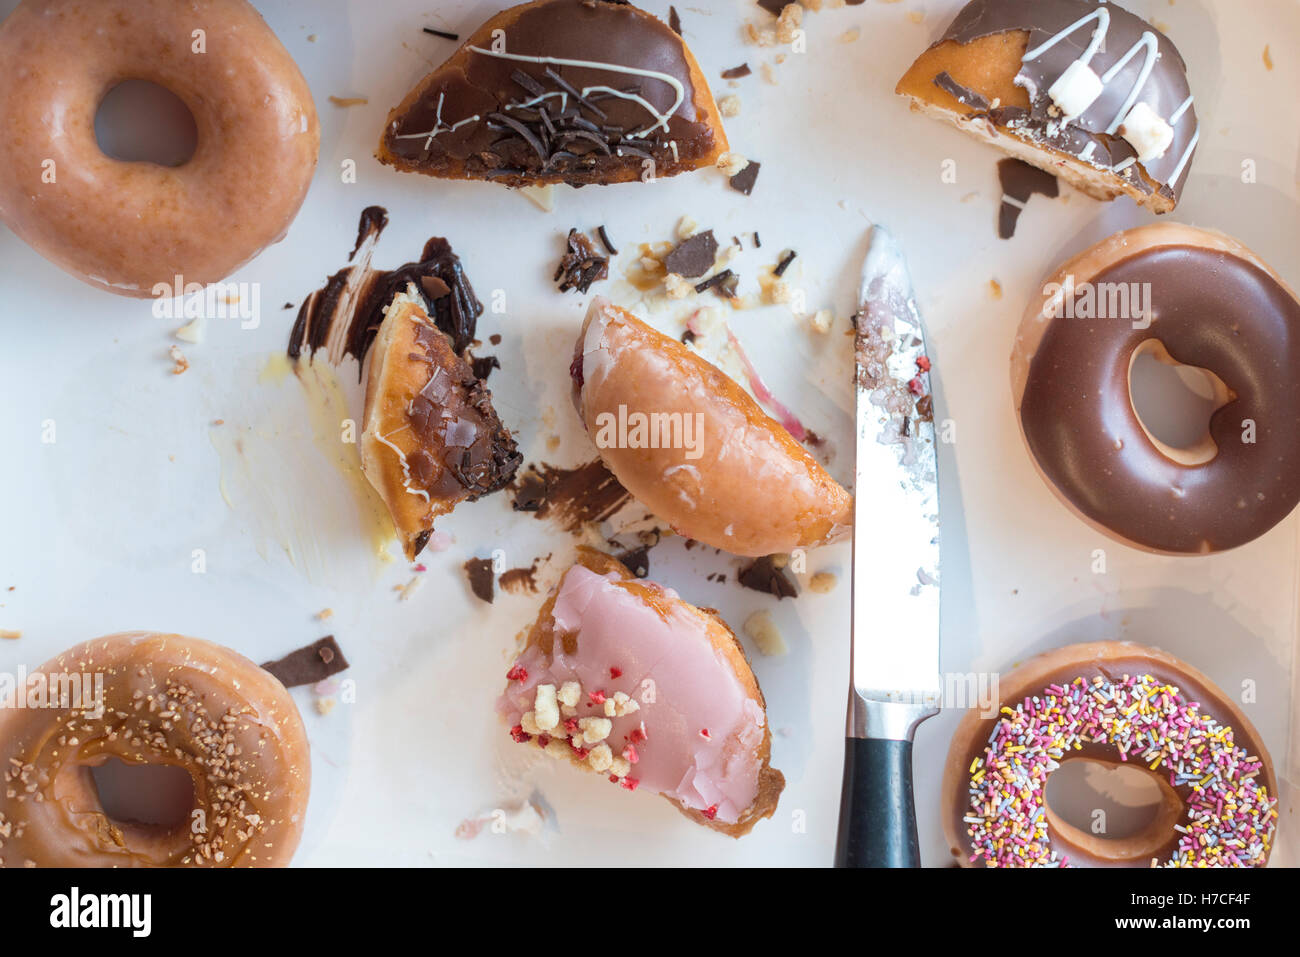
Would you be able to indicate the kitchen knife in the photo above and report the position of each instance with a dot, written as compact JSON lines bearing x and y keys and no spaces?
{"x":895,"y":642}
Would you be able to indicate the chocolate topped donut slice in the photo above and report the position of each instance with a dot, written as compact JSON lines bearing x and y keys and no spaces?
{"x":432,"y":438}
{"x":1087,"y":91}
{"x":560,"y":91}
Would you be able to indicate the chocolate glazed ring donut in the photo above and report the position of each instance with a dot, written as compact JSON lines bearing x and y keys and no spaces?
{"x":128,"y":227}
{"x":146,"y":698}
{"x":1212,"y":304}
{"x":1114,"y":703}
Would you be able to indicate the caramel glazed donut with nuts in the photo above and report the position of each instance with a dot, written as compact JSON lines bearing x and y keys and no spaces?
{"x":126,"y":227}
{"x":1209,"y":302}
{"x":147,"y":698}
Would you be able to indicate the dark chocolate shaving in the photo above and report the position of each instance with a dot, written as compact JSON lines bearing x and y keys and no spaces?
{"x":725,"y":284}
{"x":737,"y":72}
{"x":674,"y":21}
{"x":308,"y":665}
{"x":693,"y":257}
{"x":582,"y":265}
{"x":605,"y":241}
{"x":482,"y":580}
{"x":1020,"y":181}
{"x":636,"y":560}
{"x":784,"y":264}
{"x":572,"y":90}
{"x":962,"y":94}
{"x":441,"y":33}
{"x":483,"y":366}
{"x":743,"y":182}
{"x":763,"y":575}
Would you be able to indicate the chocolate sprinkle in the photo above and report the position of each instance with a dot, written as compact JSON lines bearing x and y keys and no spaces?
{"x":441,"y":33}
{"x":308,"y":665}
{"x":605,"y":241}
{"x":725,"y":284}
{"x":693,"y":257}
{"x":763,"y":575}
{"x":482,"y":580}
{"x":743,"y":182}
{"x":582,"y":265}
{"x":736,"y":72}
{"x":784,"y":264}
{"x":1019,"y":182}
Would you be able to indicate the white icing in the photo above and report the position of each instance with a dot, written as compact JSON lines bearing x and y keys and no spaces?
{"x":1101,"y":15}
{"x":406,"y":467}
{"x":1148,"y":40}
{"x":438,"y":126}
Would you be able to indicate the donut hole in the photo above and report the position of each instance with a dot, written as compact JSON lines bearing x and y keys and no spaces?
{"x":1111,"y":802}
{"x":1174,"y":402}
{"x":151,"y":796}
{"x":142,"y":122}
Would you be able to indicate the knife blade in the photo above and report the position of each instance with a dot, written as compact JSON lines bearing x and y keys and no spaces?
{"x":895,"y":681}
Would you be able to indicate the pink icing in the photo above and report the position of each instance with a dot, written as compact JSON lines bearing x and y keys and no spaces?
{"x":702,"y":731}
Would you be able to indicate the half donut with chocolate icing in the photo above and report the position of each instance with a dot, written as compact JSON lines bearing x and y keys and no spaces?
{"x":1187,"y":296}
{"x":1084,"y":90}
{"x":432,"y":438}
{"x":560,"y":91}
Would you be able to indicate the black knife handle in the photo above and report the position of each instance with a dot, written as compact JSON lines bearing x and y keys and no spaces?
{"x":877,"y":811}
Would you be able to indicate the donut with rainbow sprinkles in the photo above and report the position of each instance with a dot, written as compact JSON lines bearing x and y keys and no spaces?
{"x":1114,"y":703}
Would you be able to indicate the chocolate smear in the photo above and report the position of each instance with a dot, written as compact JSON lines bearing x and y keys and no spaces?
{"x":1019,"y":182}
{"x":693,"y":257}
{"x":482,"y":580}
{"x":521,"y":581}
{"x":737,"y":72}
{"x":743,"y":182}
{"x":784,"y":264}
{"x":569,"y":497}
{"x":343,"y":317}
{"x":763,"y":575}
{"x":308,"y":665}
{"x":582,"y":265}
{"x":483,"y":366}
{"x":775,"y":7}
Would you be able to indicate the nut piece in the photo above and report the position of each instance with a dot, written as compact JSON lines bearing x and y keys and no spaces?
{"x":678,"y":288}
{"x":546,"y":713}
{"x":595,"y":729}
{"x":570,"y":694}
{"x":762,"y":629}
{"x":731,"y":163}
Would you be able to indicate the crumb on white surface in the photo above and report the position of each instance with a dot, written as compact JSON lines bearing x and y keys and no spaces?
{"x":766,"y":636}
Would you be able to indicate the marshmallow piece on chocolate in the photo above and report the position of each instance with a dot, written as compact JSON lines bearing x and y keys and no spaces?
{"x":1147,"y":131}
{"x":1076,"y":89}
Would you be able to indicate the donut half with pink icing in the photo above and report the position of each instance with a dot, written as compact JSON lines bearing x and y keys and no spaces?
{"x":624,"y":679}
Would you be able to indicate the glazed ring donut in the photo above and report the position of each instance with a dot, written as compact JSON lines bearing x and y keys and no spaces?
{"x":166,"y":700}
{"x":125,"y":227}
{"x":1213,"y":304}
{"x":1112,"y":702}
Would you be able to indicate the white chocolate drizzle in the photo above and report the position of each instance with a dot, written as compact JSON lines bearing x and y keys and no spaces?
{"x":661,"y":119}
{"x":438,"y":126}
{"x":1147,"y":42}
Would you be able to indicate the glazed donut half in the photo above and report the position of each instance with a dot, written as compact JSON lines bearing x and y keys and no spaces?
{"x":126,"y":227}
{"x":148,"y":698}
{"x":1111,"y":702}
{"x":1186,"y":296}
{"x":693,"y":447}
